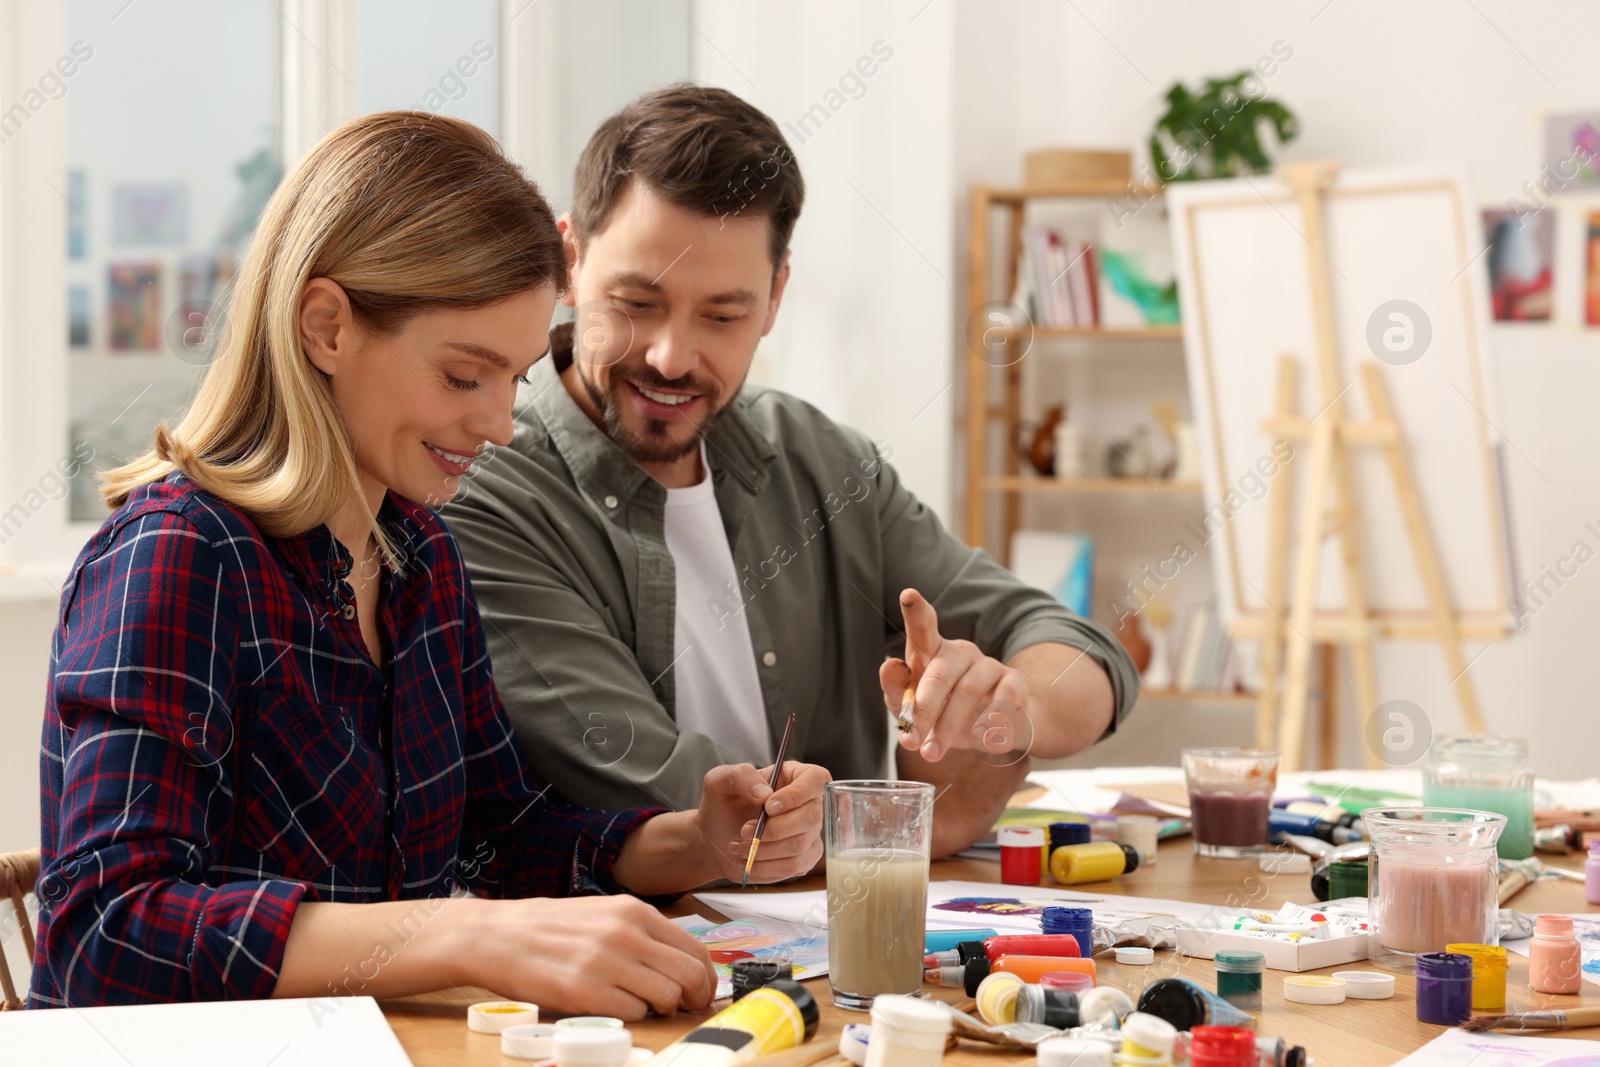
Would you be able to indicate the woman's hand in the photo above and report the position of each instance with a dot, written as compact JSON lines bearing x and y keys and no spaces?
{"x":593,"y":956}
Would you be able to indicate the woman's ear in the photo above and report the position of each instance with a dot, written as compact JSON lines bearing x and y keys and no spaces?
{"x":327,"y":325}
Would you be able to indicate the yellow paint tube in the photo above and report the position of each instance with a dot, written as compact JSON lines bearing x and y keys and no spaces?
{"x":770,"y":1019}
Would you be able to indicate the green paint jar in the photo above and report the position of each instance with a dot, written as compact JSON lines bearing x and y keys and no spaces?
{"x":1347,"y":878}
{"x":1239,"y":976}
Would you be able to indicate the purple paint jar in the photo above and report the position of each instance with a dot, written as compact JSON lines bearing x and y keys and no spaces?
{"x":1444,"y":988}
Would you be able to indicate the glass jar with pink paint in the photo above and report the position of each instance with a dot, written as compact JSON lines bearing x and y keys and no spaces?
{"x":1434,"y":881}
{"x":1230,"y":795}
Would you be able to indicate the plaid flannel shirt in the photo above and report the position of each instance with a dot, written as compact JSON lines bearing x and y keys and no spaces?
{"x":219,"y":745}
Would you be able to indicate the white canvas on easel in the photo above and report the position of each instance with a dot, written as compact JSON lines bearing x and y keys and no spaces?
{"x":1244,"y":288}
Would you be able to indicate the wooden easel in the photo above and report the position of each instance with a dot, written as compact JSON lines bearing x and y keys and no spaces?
{"x":1331,"y":437}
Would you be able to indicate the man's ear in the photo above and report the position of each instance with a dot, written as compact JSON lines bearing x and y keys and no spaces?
{"x":780,"y":281}
{"x":569,"y":242}
{"x":327,"y":325}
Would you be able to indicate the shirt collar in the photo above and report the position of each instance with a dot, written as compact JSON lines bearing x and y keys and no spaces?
{"x":733,"y":447}
{"x":322,"y":558}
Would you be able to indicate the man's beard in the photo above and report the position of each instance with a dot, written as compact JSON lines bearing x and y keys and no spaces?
{"x":655,"y":443}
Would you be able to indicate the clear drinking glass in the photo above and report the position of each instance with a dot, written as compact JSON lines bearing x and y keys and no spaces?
{"x":878,"y":835}
{"x":1230,"y":796}
{"x":1433,"y":881}
{"x":1484,"y":772}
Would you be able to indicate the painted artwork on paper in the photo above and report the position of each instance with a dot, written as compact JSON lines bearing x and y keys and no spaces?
{"x":762,"y":939}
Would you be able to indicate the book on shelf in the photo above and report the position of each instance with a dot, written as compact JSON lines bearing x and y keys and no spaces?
{"x":1209,"y":661}
{"x":1056,"y":280}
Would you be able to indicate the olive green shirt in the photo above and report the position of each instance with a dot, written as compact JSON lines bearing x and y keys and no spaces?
{"x":564,"y":542}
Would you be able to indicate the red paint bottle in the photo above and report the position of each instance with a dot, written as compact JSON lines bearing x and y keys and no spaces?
{"x":1021,"y":854}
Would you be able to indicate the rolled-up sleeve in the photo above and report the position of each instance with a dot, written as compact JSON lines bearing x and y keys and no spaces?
{"x":138,"y":761}
{"x":977,"y":599}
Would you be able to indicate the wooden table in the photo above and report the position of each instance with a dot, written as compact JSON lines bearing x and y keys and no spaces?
{"x":433,"y":1030}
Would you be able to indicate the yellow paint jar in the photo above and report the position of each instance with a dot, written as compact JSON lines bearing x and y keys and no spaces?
{"x":1488,"y":975}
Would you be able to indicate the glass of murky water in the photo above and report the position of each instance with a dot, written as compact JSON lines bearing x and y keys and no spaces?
{"x":878,"y":835}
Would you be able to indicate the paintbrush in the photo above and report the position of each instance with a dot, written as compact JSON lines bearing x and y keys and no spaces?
{"x":908,"y":704}
{"x":1575,"y":1019}
{"x":761,"y":820}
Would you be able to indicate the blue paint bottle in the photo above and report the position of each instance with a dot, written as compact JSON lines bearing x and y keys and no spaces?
{"x":1079,"y":922}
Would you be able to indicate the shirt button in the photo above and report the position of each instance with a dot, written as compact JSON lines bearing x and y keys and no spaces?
{"x":349,"y":612}
{"x":769,"y":658}
{"x":611,"y":501}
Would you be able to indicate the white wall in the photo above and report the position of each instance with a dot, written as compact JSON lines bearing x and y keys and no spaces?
{"x":1377,"y":83}
{"x":866,"y":327}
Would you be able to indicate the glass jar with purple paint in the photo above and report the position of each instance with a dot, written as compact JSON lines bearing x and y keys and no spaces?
{"x":1444,"y":988}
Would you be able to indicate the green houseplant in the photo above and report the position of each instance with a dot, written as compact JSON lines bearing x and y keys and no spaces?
{"x":1216,"y":131}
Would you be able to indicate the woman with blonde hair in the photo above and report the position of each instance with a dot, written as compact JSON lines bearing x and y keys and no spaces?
{"x":273,"y":751}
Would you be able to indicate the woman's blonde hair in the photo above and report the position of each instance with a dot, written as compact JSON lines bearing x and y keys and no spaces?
{"x":408,"y":212}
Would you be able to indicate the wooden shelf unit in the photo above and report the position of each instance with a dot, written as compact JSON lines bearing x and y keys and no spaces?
{"x":982,"y":409}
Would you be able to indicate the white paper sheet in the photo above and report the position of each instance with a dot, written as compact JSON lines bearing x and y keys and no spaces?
{"x":320,"y":1032}
{"x":1457,"y":1048}
{"x":953,"y":905}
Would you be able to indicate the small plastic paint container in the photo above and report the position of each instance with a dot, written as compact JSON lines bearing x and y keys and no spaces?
{"x":997,"y":998}
{"x":750,"y":975}
{"x":1444,"y":988}
{"x":1488,"y":975}
{"x":907,"y":1032}
{"x":1148,"y":1036}
{"x":1021,"y":850}
{"x":1284,"y":863}
{"x":1079,"y":922}
{"x":1222,"y":1046}
{"x":853,"y":1043}
{"x":494,"y":1016}
{"x":1313,"y":989}
{"x":1103,"y":1005}
{"x":946,"y":940}
{"x":1239,"y":977}
{"x":580,"y":1046}
{"x":531,"y":1042}
{"x":1366,"y":985}
{"x":1072,"y":1052}
{"x":1069,"y":833}
{"x":597,"y":1022}
{"x":1139,"y":832}
{"x":1055,"y":1008}
{"x":1347,"y":878}
{"x":1067,"y":981}
{"x":1135,"y":956}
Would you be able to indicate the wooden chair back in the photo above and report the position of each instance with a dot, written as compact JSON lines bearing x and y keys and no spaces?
{"x":18,"y":873}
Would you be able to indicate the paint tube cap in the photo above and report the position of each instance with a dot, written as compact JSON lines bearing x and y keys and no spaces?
{"x":529,"y":1042}
{"x":1020,"y":837}
{"x":591,"y":1046}
{"x":1366,"y":985}
{"x":1313,"y":989}
{"x":1073,"y":1052}
{"x":494,"y":1016}
{"x":1137,"y":956}
{"x":1149,"y":1035}
{"x":1285,"y":863}
{"x":853,"y":1043}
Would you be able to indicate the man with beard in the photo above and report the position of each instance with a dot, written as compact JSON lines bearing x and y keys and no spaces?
{"x":670,"y":563}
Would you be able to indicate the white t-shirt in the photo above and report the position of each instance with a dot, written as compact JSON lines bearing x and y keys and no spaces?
{"x":718,"y":691}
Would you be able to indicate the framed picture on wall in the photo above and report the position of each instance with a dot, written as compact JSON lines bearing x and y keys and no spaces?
{"x":1521,"y":250}
{"x":133,"y":302}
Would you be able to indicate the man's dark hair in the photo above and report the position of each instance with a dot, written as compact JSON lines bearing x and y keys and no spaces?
{"x":701,"y":148}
